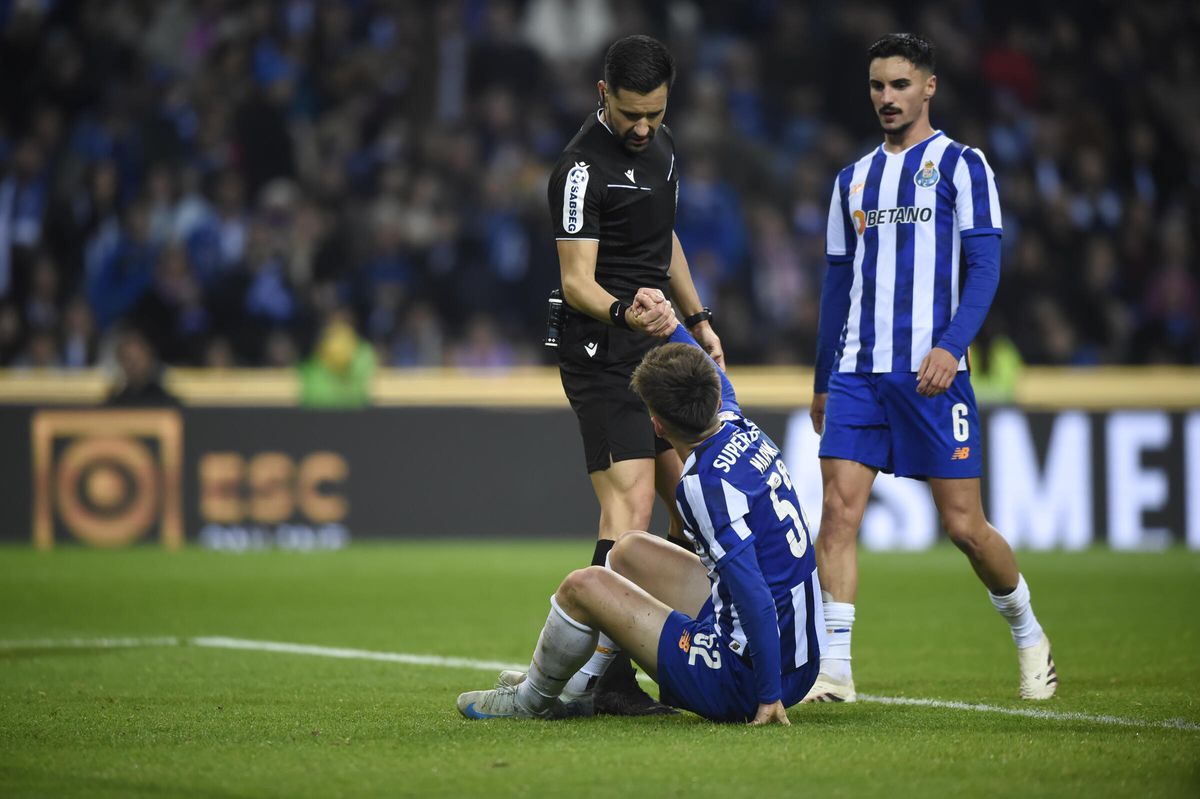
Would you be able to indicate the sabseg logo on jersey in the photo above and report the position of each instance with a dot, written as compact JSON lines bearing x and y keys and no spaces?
{"x":577,"y":180}
{"x":909,"y":214}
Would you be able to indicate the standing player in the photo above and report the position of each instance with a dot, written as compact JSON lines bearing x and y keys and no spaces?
{"x":891,"y":390}
{"x":733,"y":632}
{"x":612,"y":201}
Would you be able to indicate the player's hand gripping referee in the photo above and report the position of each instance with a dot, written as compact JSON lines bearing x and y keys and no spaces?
{"x":648,"y":302}
{"x":652,"y":313}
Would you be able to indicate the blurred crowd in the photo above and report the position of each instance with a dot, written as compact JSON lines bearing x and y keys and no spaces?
{"x":227,"y":176}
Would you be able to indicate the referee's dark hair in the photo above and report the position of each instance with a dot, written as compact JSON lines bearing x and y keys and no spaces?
{"x":909,"y":46}
{"x":680,"y":386}
{"x":638,"y":63}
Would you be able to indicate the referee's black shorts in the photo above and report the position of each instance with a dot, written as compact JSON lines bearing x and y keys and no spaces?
{"x":595,"y":361}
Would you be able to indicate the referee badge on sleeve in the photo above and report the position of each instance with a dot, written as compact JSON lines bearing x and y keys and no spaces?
{"x":928,"y":177}
{"x":576,"y":188}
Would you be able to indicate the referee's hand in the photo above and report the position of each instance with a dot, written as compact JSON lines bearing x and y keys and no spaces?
{"x":652,"y":313}
{"x":707,"y":339}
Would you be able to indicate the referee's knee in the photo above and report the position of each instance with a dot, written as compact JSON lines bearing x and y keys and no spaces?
{"x":626,"y":512}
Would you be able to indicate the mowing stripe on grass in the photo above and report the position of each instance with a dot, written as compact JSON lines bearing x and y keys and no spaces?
{"x":244,"y":644}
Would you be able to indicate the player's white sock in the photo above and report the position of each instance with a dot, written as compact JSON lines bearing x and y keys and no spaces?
{"x":1016,"y":608}
{"x":562,"y":648}
{"x":607,"y":650}
{"x":586,"y":678}
{"x":839,"y":620}
{"x":584,"y":681}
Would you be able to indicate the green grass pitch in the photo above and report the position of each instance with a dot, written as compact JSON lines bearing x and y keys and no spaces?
{"x":187,"y":721}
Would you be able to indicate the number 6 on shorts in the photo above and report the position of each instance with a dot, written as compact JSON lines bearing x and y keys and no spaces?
{"x":962,"y":428}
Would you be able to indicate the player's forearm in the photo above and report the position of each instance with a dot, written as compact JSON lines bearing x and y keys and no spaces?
{"x":835,"y":307}
{"x":756,"y":610}
{"x":979,"y":288}
{"x":683,"y":290}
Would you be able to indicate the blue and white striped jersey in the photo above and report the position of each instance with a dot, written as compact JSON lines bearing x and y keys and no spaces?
{"x":736,"y":492}
{"x":901,"y":218}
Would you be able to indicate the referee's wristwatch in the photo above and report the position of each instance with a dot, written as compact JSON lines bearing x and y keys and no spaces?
{"x":703,"y":315}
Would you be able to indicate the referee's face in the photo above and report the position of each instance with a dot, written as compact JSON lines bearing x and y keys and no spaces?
{"x":900,"y":92}
{"x":633,"y":117}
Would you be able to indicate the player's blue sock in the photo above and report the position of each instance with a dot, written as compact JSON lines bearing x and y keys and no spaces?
{"x":839,"y":621}
{"x":562,"y":648}
{"x":1017,"y":609}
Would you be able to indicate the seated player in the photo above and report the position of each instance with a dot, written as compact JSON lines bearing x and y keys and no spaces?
{"x":733,"y":632}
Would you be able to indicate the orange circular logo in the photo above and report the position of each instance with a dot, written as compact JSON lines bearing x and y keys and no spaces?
{"x":860,"y":222}
{"x":107,"y":490}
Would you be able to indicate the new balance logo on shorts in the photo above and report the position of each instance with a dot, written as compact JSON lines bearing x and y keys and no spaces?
{"x":961,"y":454}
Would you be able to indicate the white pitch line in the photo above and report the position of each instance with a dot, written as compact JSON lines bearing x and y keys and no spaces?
{"x":1033,"y":713}
{"x":351,"y":654}
{"x":88,"y":643}
{"x":244,"y":644}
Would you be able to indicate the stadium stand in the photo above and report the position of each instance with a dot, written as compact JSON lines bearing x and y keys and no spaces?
{"x":227,"y":175}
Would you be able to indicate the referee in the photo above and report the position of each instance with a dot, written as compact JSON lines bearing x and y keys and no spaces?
{"x":612,"y":202}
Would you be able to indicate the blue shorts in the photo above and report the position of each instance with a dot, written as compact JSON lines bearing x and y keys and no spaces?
{"x":698,"y":672}
{"x":879,"y":419}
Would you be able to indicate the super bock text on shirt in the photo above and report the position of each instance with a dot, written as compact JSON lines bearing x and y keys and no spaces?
{"x":898,"y":220}
{"x":741,"y":442}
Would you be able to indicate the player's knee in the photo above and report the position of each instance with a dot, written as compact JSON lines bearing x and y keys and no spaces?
{"x":577,"y":586}
{"x":623,"y":557}
{"x":840,"y":516}
{"x":581,"y":580}
{"x":968,"y":530}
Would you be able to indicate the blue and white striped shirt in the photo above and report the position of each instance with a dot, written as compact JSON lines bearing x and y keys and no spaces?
{"x":736,"y":493}
{"x":899,"y":218}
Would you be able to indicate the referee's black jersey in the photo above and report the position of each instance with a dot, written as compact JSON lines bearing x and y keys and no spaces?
{"x":626,"y":201}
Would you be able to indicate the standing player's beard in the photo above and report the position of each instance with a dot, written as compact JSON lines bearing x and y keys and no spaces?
{"x":897,"y":132}
{"x":900,"y":131}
